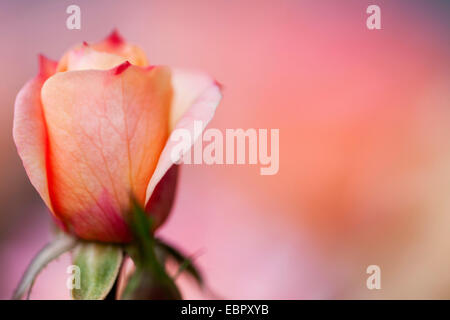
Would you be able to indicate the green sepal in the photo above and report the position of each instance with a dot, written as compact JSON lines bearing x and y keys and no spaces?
{"x":51,"y":251}
{"x":185,"y":263}
{"x":150,"y":280}
{"x":99,"y":265}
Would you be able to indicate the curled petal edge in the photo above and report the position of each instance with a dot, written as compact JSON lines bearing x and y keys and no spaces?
{"x":203,"y":100}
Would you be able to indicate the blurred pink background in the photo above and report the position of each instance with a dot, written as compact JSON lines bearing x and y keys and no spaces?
{"x":364,"y":119}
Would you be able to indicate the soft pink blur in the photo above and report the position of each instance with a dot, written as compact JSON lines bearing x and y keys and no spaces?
{"x":364,"y":125}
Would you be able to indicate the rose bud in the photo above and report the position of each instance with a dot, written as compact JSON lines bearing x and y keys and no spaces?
{"x":93,"y":130}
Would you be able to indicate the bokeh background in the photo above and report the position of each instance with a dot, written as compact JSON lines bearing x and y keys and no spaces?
{"x":364,"y":119}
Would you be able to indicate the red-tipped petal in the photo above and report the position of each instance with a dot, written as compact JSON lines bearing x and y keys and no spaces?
{"x":115,"y":44}
{"x":47,"y":67}
{"x":102,"y":55}
{"x":114,"y":38}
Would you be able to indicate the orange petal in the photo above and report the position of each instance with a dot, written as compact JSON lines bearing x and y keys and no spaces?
{"x":195,"y":98}
{"x":29,"y":130}
{"x":106,"y":131}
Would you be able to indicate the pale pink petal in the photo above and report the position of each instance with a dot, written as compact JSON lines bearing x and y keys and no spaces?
{"x":29,"y":129}
{"x":195,"y":98}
